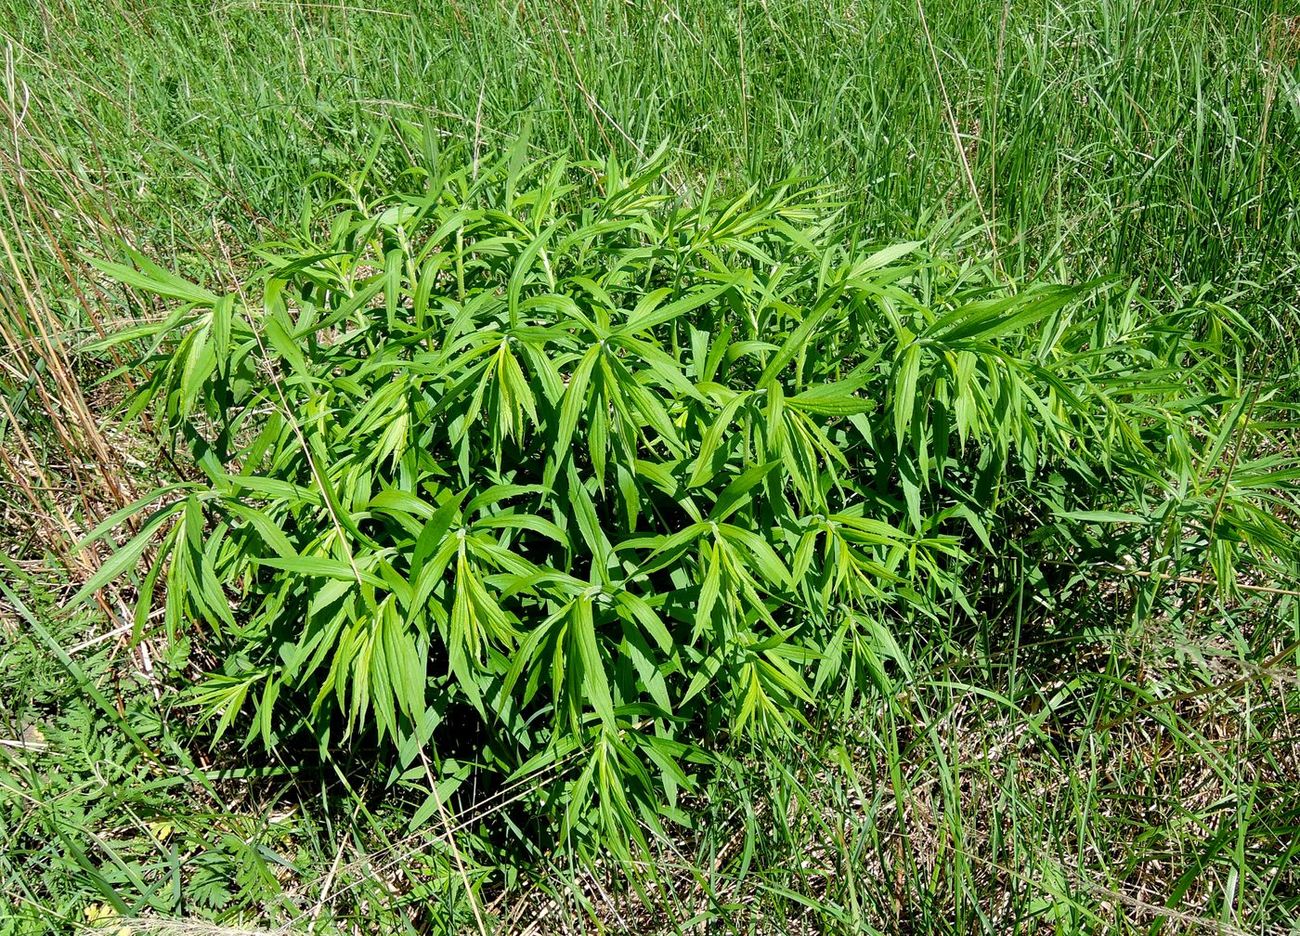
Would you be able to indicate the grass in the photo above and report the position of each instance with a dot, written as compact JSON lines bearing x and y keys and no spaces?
{"x":1106,"y":746}
{"x":1106,"y":136}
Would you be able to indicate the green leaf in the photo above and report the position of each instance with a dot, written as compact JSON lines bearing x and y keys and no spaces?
{"x":154,"y":280}
{"x":522,"y":267}
{"x":905,"y":381}
{"x":649,"y":318}
{"x":322,"y":567}
{"x":125,"y":558}
{"x":1101,"y":516}
{"x":594,"y":680}
{"x":735,"y":494}
{"x":571,"y":405}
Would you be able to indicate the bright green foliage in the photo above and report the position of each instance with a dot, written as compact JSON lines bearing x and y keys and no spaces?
{"x":603,"y":479}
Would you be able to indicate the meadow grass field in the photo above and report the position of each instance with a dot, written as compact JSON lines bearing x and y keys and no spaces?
{"x":725,"y":467}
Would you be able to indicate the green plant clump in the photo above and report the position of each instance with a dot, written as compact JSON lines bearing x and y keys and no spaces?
{"x":547,"y":466}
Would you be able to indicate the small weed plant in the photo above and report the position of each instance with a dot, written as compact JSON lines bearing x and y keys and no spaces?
{"x":541,"y":471}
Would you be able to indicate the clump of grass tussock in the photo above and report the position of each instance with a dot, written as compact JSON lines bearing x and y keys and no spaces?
{"x":553,"y":474}
{"x":1101,"y":746}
